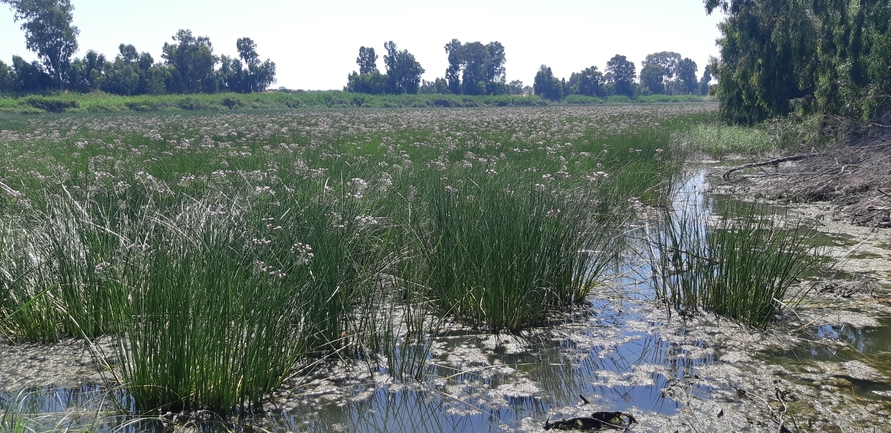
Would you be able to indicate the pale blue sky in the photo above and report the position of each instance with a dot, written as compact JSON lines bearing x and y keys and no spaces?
{"x":315,"y":43}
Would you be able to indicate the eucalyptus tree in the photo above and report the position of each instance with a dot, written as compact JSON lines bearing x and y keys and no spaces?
{"x":48,"y":32}
{"x":194,"y":62}
{"x":621,"y":73}
{"x":588,"y":82}
{"x":367,"y":60}
{"x":824,"y":56}
{"x":474,"y":68}
{"x":685,"y":77}
{"x":546,"y":85}
{"x":403,"y":71}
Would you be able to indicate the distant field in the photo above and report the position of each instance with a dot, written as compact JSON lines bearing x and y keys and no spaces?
{"x":101,"y":102}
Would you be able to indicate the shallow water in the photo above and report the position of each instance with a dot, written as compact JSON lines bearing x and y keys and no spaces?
{"x":621,"y":352}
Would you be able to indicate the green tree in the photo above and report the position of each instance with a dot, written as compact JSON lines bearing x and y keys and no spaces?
{"x":705,"y":80}
{"x":373,"y":83}
{"x":403,"y":71}
{"x":87,"y":74}
{"x":652,"y":77}
{"x":686,"y":81}
{"x":621,"y":73}
{"x":770,"y":55}
{"x":257,"y":76}
{"x":367,"y":60}
{"x":516,"y":87}
{"x":194,"y":62}
{"x":546,"y":85}
{"x":474,"y":68}
{"x":437,"y":86}
{"x":7,"y":78}
{"x":48,"y":32}
{"x":30,"y":77}
{"x":588,"y":82}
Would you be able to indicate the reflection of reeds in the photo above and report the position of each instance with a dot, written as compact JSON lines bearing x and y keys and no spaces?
{"x":741,"y":266}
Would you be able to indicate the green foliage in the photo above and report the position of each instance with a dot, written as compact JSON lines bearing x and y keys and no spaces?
{"x":372,"y":83}
{"x":621,"y":73}
{"x":546,"y":85}
{"x":768,"y":137}
{"x":403,"y":71}
{"x":48,"y":32}
{"x":829,"y":57}
{"x":588,"y":82}
{"x":667,"y":73}
{"x":367,"y":60}
{"x":101,"y":102}
{"x":652,"y":77}
{"x":743,"y":267}
{"x":193,"y":63}
{"x":474,"y":68}
{"x":250,"y":76}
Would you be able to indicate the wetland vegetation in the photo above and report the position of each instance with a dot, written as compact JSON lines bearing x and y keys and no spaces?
{"x":303,"y":269}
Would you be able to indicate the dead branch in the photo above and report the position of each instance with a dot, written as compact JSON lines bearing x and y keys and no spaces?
{"x":773,"y":162}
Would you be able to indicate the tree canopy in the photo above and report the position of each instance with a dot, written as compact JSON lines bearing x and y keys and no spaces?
{"x":403,"y":71}
{"x":546,"y":85}
{"x":816,"y":56}
{"x":621,"y":73}
{"x":367,"y":60}
{"x":48,"y":32}
{"x":474,"y":68}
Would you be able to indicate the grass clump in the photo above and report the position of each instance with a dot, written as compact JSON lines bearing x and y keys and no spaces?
{"x":207,"y":324}
{"x":740,"y":263}
{"x":778,"y":135}
{"x":501,"y":256}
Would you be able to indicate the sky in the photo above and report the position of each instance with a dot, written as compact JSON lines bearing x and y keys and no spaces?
{"x":315,"y":43}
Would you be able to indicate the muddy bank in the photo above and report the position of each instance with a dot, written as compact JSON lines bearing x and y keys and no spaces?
{"x":851,"y":183}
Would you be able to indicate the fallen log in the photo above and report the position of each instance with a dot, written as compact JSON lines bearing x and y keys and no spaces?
{"x":773,"y":162}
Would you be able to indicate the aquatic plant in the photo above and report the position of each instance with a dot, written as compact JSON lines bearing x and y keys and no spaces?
{"x":224,"y":248}
{"x":740,"y":263}
{"x":500,"y":255}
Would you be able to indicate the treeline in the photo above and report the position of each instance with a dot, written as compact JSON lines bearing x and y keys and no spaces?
{"x":811,"y":56}
{"x":663,"y":73}
{"x":477,"y":69}
{"x":189,"y":63}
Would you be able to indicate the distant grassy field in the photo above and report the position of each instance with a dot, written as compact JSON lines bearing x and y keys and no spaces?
{"x":242,"y":242}
{"x":100,"y":102}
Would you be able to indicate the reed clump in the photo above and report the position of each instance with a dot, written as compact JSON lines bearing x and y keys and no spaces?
{"x":501,"y":254}
{"x":741,"y":262}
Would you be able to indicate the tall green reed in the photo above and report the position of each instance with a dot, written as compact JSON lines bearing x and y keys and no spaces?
{"x":210,"y":322}
{"x":740,"y":263}
{"x":500,"y":253}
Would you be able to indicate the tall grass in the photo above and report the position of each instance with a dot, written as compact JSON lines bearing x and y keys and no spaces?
{"x":223,"y":250}
{"x":207,"y":323}
{"x":500,"y":255}
{"x":777,"y":135}
{"x":741,"y":263}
